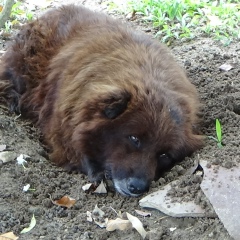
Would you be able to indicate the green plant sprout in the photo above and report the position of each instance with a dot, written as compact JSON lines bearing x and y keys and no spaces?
{"x":218,"y":139}
{"x":219,"y":133}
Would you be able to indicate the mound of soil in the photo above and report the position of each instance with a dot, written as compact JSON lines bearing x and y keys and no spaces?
{"x":220,"y":96}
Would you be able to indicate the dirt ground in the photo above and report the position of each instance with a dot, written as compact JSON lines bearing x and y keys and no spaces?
{"x":220,"y":96}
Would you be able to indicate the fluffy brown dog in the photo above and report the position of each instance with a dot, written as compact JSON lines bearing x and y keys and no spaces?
{"x":110,"y":102}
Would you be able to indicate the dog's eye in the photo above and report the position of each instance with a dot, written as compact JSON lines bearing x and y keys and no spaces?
{"x":164,"y":163}
{"x":165,"y":157}
{"x":135,"y":141}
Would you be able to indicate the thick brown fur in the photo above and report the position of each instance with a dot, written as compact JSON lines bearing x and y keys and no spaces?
{"x":110,"y":102}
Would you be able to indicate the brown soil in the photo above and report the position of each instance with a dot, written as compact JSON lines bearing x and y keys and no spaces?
{"x":220,"y":95}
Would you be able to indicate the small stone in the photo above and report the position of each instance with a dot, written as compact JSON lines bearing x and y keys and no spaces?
{"x":228,"y":164}
{"x":223,"y":193}
{"x":187,"y":63}
{"x":2,"y":147}
{"x":7,"y":156}
{"x":158,"y":200}
{"x":225,"y":67}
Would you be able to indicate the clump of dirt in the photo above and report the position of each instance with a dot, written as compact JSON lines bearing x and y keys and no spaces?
{"x":219,"y":93}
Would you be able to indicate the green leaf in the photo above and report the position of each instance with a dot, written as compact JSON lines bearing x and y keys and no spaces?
{"x":31,"y":226}
{"x":218,"y":131}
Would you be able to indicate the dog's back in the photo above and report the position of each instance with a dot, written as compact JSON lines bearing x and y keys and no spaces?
{"x":26,"y":62}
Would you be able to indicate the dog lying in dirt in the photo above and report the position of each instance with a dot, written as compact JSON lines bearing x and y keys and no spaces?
{"x":110,"y":102}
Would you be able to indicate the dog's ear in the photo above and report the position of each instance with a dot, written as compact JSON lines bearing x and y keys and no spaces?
{"x":116,"y":104}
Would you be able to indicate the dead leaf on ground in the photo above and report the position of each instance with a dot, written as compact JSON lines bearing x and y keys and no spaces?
{"x":21,"y":159}
{"x":97,"y":216}
{"x":89,"y":216}
{"x":8,"y":236}
{"x":101,"y":223}
{"x":142,"y":213}
{"x":97,"y":212}
{"x":118,"y":224}
{"x":31,"y":225}
{"x":137,"y":224}
{"x":86,"y":187}
{"x":65,"y":201}
{"x":101,"y":188}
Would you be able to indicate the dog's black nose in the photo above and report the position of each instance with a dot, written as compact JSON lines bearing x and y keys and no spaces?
{"x":137,"y":185}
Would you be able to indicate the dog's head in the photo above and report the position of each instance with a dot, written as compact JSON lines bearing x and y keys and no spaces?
{"x":134,"y":136}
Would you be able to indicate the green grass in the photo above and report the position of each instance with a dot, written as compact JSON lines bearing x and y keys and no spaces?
{"x":178,"y":19}
{"x":219,"y":133}
{"x":218,"y":137}
{"x":19,"y":14}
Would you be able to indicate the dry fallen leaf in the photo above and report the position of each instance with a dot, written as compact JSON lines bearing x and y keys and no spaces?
{"x":102,"y":223}
{"x":118,"y":224}
{"x":31,"y":225}
{"x":86,"y":186}
{"x":101,"y":188}
{"x":97,"y":216}
{"x":136,"y":223}
{"x":89,"y":216}
{"x":142,"y":213}
{"x":8,"y":236}
{"x":21,"y":159}
{"x":65,"y":202}
{"x":97,"y":212}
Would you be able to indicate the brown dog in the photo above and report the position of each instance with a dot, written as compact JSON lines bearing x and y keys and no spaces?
{"x":110,"y":102}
